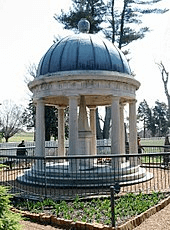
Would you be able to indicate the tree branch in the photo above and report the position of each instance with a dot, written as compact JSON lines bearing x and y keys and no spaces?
{"x":165,"y":77}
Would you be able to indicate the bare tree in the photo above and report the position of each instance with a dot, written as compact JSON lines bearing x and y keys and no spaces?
{"x":31,"y":73}
{"x":11,"y":119}
{"x":165,"y":78}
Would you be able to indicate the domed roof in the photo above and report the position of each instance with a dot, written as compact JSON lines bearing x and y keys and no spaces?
{"x":83,"y":52}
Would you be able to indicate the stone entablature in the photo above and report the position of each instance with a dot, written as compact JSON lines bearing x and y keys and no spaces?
{"x":96,"y":84}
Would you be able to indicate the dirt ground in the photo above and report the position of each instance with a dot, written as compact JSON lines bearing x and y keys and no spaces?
{"x":28,"y":225}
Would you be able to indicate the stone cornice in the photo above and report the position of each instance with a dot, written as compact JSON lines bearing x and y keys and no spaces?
{"x":84,"y":75}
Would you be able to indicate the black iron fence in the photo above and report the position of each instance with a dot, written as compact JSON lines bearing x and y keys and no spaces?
{"x":106,"y":149}
{"x":36,"y":178}
{"x":65,"y":177}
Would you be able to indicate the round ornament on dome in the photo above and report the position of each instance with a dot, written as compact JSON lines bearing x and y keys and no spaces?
{"x":84,"y":25}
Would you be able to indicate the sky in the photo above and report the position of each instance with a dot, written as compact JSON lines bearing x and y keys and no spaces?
{"x":28,"y":29}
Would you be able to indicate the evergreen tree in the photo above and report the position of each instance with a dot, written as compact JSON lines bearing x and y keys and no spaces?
{"x":29,"y":115}
{"x":51,"y":123}
{"x":146,"y":114}
{"x":122,"y":29}
{"x":92,"y":10}
{"x":160,"y":113}
{"x":155,"y":119}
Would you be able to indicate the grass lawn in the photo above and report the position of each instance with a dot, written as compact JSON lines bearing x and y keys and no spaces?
{"x":27,"y":136}
{"x":152,"y":142}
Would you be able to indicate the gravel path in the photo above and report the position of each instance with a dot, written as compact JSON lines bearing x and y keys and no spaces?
{"x":28,"y":225}
{"x":158,"y":221}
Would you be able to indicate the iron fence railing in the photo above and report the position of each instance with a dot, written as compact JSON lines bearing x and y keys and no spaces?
{"x":103,"y":147}
{"x":106,"y":149}
{"x":36,"y":178}
{"x":89,"y":175}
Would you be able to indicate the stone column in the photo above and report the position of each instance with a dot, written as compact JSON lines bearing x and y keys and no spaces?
{"x":132,"y":128}
{"x":40,"y":128}
{"x":122,"y":131}
{"x":115,"y":133}
{"x":93,"y":130}
{"x":73,"y":125}
{"x":84,"y":135}
{"x":133,"y":148}
{"x":61,"y":131}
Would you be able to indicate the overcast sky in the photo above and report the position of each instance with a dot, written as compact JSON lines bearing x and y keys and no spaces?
{"x":28,"y":29}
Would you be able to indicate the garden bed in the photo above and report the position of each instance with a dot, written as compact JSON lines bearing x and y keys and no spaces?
{"x":94,"y":210}
{"x":133,"y":222}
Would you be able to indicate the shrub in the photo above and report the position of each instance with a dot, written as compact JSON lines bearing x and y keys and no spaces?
{"x":8,"y":219}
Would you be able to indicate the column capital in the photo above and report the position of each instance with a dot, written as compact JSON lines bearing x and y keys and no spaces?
{"x":61,"y":106}
{"x":92,"y":107}
{"x":115,"y":98}
{"x":122,"y":104}
{"x":76,"y":96}
{"x":39,"y":100}
{"x":132,"y":101}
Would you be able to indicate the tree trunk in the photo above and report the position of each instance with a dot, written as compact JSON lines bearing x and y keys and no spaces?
{"x":165,"y":78}
{"x":47,"y":135}
{"x":106,"y":128}
{"x":98,"y":128}
{"x":122,"y":24}
{"x":168,"y":98}
{"x":144,"y":128}
{"x":113,"y":21}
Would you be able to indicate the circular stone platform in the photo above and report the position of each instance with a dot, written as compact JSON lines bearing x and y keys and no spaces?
{"x":60,"y":175}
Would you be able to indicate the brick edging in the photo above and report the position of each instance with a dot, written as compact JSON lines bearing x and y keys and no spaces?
{"x":129,"y":225}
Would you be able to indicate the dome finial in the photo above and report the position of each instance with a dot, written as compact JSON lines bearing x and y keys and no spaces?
{"x":84,"y":25}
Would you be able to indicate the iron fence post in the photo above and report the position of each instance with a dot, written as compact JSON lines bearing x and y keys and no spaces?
{"x":112,"y":193}
{"x":45,"y":177}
